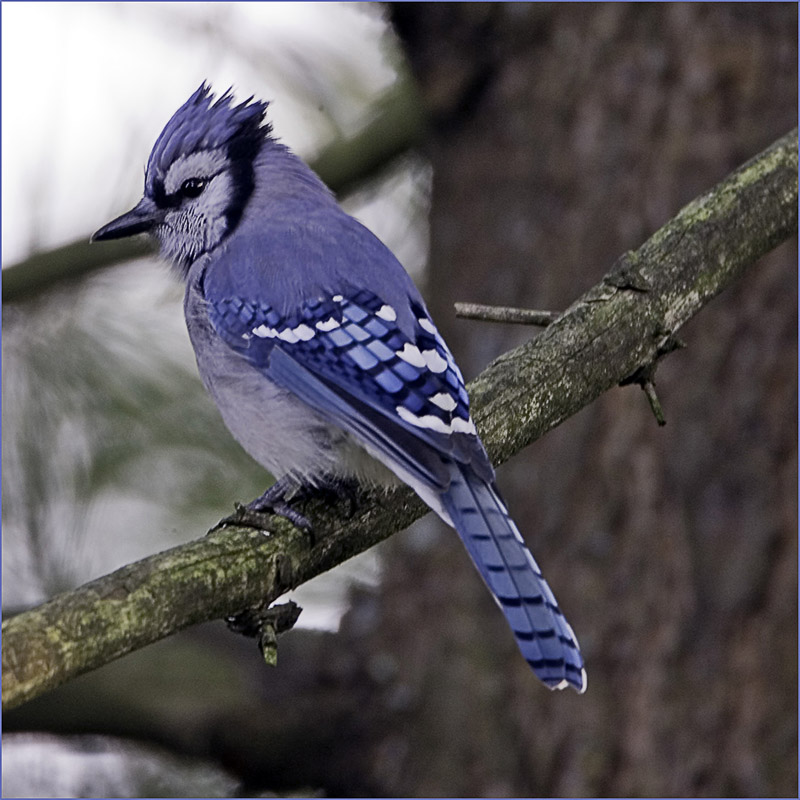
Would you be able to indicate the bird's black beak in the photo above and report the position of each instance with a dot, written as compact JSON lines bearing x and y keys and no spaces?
{"x":143,"y":217}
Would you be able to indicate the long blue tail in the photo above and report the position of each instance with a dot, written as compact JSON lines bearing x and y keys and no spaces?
{"x":513,"y":576}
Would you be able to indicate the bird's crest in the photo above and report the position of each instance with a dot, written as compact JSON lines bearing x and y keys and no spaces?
{"x":206,"y":123}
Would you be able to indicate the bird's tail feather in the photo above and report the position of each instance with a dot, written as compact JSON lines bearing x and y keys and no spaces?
{"x":496,"y":546}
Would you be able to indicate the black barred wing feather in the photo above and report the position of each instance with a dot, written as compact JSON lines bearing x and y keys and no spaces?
{"x":349,"y":359}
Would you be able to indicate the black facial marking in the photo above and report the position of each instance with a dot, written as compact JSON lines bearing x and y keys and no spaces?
{"x":189,"y":189}
{"x":161,"y":198}
{"x":242,"y":183}
{"x":241,"y":154}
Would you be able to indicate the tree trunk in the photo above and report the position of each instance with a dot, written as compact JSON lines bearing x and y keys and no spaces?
{"x":562,"y":136}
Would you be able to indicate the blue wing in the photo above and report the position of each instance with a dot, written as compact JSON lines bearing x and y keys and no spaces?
{"x":347,"y":357}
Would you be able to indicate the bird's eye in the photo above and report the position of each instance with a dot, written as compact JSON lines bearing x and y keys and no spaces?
{"x":193,"y":187}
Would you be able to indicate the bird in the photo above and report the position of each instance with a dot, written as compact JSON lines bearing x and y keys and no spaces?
{"x":320,"y":353}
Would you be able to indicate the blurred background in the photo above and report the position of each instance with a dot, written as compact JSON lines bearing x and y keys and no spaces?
{"x":508,"y":153}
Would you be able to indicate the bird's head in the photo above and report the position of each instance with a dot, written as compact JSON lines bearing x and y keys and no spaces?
{"x":199,"y":177}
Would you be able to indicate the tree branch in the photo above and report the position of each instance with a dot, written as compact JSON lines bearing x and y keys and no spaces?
{"x":621,"y":325}
{"x":518,"y":316}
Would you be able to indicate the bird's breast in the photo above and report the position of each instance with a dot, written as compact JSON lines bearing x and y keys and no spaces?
{"x":278,"y":430}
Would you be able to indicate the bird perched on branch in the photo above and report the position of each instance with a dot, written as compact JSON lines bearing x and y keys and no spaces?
{"x":320,"y":353}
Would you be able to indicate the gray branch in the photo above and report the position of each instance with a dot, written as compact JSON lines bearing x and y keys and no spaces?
{"x":618,"y":328}
{"x":518,"y":316}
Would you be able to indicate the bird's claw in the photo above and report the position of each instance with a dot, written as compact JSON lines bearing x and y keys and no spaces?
{"x":257,"y":515}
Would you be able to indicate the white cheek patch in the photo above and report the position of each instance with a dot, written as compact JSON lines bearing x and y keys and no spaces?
{"x":213,"y":202}
{"x":199,"y":225}
{"x":203,"y":164}
{"x":210,"y":208}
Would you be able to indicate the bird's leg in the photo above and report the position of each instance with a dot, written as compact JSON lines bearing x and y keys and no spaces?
{"x":273,"y":501}
{"x":281,"y":497}
{"x":276,"y":500}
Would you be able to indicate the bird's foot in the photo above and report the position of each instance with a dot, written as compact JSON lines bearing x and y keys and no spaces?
{"x":281,"y":498}
{"x":257,"y":513}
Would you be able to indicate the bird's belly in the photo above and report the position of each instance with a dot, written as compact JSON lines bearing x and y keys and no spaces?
{"x":278,"y":430}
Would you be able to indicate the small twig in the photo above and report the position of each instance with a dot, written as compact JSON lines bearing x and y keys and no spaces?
{"x":655,"y":404}
{"x":265,"y":622}
{"x":521,"y":316}
{"x":645,"y":376}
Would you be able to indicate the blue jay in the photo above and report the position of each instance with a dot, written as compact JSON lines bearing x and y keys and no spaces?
{"x":319,"y":351}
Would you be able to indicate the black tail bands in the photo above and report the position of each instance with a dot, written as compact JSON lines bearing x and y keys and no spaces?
{"x":545,"y":638}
